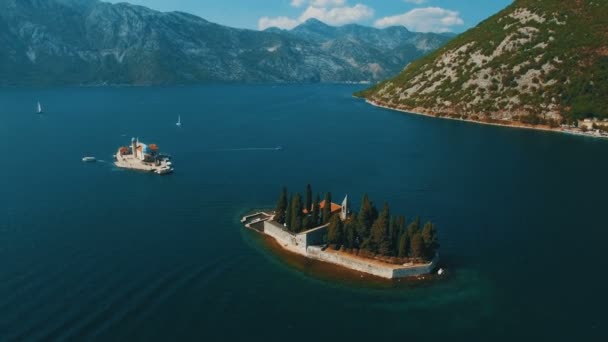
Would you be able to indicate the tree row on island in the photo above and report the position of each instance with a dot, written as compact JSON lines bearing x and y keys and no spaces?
{"x":298,"y":214}
{"x":368,"y":232}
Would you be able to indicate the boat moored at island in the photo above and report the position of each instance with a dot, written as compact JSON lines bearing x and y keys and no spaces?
{"x":142,"y":157}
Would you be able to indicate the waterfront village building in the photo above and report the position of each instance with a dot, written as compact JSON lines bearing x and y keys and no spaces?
{"x":590,"y":123}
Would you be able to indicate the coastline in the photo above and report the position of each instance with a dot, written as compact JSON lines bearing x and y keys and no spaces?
{"x":309,"y":245}
{"x":508,"y":125}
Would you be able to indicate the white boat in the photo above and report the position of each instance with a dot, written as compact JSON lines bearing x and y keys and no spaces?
{"x":179,"y":121}
{"x":441,"y":271}
{"x":164,"y":170}
{"x":39,"y":109}
{"x":89,"y":159}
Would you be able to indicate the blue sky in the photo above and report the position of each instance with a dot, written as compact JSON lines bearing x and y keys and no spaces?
{"x":416,"y":15}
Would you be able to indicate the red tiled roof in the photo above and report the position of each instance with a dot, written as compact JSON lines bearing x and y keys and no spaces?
{"x":334,"y":207}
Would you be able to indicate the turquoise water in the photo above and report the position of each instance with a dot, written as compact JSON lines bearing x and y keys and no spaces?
{"x":91,"y":252}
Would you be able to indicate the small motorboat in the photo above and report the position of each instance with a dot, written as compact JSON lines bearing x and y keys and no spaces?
{"x":179,"y":121}
{"x":440,"y":272}
{"x":164,"y":170}
{"x":89,"y":159}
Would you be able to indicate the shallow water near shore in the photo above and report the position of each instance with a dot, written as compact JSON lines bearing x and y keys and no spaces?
{"x":91,"y":253}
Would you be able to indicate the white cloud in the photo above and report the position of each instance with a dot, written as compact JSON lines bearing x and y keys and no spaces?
{"x":338,"y":15}
{"x":280,"y":22}
{"x":416,"y":2}
{"x":332,"y":12}
{"x":429,"y":19}
{"x":318,"y":3}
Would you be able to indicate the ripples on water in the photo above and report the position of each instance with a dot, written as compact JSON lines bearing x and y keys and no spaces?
{"x":89,"y":253}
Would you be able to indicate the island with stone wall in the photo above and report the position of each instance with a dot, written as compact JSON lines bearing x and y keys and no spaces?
{"x":368,"y":241}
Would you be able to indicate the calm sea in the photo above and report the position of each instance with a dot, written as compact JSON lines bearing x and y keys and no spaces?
{"x":91,"y":252}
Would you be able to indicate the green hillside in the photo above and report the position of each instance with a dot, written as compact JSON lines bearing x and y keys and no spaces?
{"x":537,"y":61}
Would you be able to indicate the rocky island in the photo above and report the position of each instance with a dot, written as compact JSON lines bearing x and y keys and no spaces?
{"x":368,"y":241}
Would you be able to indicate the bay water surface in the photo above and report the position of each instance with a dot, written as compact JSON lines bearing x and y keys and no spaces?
{"x":88,"y":251}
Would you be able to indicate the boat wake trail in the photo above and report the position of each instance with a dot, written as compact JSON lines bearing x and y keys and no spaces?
{"x":245,"y":149}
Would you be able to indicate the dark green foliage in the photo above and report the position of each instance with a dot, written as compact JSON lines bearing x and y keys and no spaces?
{"x":431,"y":240}
{"x":289,"y":212}
{"x":417,"y":246}
{"x":380,"y":241}
{"x":280,"y":211}
{"x":315,"y":219}
{"x":350,"y":234}
{"x":296,"y":214}
{"x":367,"y":216}
{"x":308,"y":198}
{"x":404,"y":245}
{"x":327,"y":208}
{"x":370,"y":232}
{"x":335,"y":231}
{"x":413,"y":228}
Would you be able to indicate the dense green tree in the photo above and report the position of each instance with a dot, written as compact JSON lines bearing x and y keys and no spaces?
{"x":350,"y":233}
{"x":327,"y":208}
{"x":316,"y":211}
{"x":308,"y":198}
{"x":413,"y":228}
{"x":335,"y":232}
{"x":365,"y":218}
{"x":431,"y":240}
{"x":289,"y":212}
{"x":404,"y":244}
{"x":296,"y":213}
{"x":417,"y":246}
{"x":307,"y":222}
{"x":281,"y":209}
{"x":380,"y":241}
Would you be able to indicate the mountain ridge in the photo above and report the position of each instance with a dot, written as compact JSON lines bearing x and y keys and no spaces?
{"x":49,"y":42}
{"x":537,"y":62}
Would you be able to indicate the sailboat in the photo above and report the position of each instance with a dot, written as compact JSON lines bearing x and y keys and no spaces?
{"x":39,"y":108}
{"x":179,"y":121}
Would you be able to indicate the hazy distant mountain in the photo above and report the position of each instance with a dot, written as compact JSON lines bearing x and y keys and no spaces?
{"x":537,"y":61}
{"x":92,"y":42}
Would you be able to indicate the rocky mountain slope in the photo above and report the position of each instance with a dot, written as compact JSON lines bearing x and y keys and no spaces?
{"x":536,"y":62}
{"x":92,"y":42}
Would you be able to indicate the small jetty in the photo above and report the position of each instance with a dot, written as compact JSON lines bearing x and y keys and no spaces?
{"x":142,"y":157}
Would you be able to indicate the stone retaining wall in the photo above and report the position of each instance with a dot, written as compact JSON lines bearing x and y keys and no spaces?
{"x":307,"y":244}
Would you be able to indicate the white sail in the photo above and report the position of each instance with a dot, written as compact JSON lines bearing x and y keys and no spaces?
{"x":39,"y":108}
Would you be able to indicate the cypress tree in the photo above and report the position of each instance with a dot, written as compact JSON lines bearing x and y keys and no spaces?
{"x":365,"y":218}
{"x":308,"y":199}
{"x":280,"y":211}
{"x":350,"y":233}
{"x":394,"y":235}
{"x":404,"y":243}
{"x":413,"y":228}
{"x":430,"y":239}
{"x":306,"y":222}
{"x":327,"y":208}
{"x":296,"y":213}
{"x":380,"y":239}
{"x":417,"y":246}
{"x":315,"y":212}
{"x":288,"y":215}
{"x":335,"y":233}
